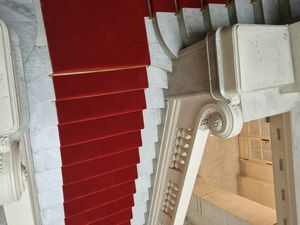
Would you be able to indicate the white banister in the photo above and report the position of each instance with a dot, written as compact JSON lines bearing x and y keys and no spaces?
{"x":12,"y":172}
{"x":189,"y":178}
{"x":181,"y":152}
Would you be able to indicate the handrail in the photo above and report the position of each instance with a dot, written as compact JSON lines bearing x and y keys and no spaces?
{"x":181,"y":152}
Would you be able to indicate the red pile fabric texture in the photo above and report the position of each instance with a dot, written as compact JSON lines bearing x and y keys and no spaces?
{"x":91,"y":35}
{"x":99,"y":53}
{"x":189,"y":3}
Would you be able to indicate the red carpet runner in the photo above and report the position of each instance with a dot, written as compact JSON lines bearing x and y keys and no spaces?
{"x":99,"y":113}
{"x":169,"y":6}
{"x":102,"y":46}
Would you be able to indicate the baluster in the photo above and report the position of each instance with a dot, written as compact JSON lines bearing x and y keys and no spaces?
{"x":182,"y":145}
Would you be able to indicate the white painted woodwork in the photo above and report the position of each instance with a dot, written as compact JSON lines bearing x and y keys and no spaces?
{"x":9,"y":115}
{"x":246,"y":57}
{"x":237,"y":64}
{"x":294,"y":158}
{"x":243,"y":81}
{"x":295,"y":45}
{"x":11,"y":171}
{"x":190,"y":175}
{"x":181,"y":150}
{"x":20,"y":212}
{"x":163,"y":164}
{"x":284,"y":169}
{"x":158,"y":58}
{"x":16,"y":169}
{"x":190,"y":71}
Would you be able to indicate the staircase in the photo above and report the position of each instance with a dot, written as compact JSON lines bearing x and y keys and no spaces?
{"x":96,"y":120}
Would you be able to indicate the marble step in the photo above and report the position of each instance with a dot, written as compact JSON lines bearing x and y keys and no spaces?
{"x":216,"y":15}
{"x":166,"y":27}
{"x":232,"y":13}
{"x":295,"y":8}
{"x":284,"y":10}
{"x":168,"y":33}
{"x":144,"y":169}
{"x":138,"y":217}
{"x":140,"y":198}
{"x":158,"y":57}
{"x":53,"y":215}
{"x":244,"y":12}
{"x":266,"y":12}
{"x":191,"y":23}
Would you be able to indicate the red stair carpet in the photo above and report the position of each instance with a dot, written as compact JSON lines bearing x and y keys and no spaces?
{"x":100,"y":183}
{"x":99,"y":83}
{"x":189,"y":4}
{"x":169,"y":5}
{"x":162,"y":6}
{"x":99,"y":53}
{"x":100,"y":148}
{"x":77,"y":206}
{"x":91,"y":35}
{"x":216,"y":1}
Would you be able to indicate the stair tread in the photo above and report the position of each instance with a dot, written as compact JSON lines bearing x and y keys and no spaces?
{"x":157,"y":54}
{"x":244,"y":11}
{"x":85,"y":45}
{"x":99,"y":83}
{"x":162,"y":6}
{"x":100,"y":148}
{"x":76,"y":133}
{"x":219,"y":15}
{"x":295,"y":8}
{"x":81,"y":109}
{"x":271,"y":11}
{"x":97,"y":167}
{"x":169,"y":30}
{"x":99,"y":183}
{"x":193,"y":24}
{"x":116,"y":218}
{"x":80,"y":206}
{"x":103,"y":213}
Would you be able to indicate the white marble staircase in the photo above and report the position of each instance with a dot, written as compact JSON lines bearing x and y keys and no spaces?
{"x":191,"y":26}
{"x":167,"y":34}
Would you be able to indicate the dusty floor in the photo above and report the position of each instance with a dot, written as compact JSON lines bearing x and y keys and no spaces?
{"x":220,"y":163}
